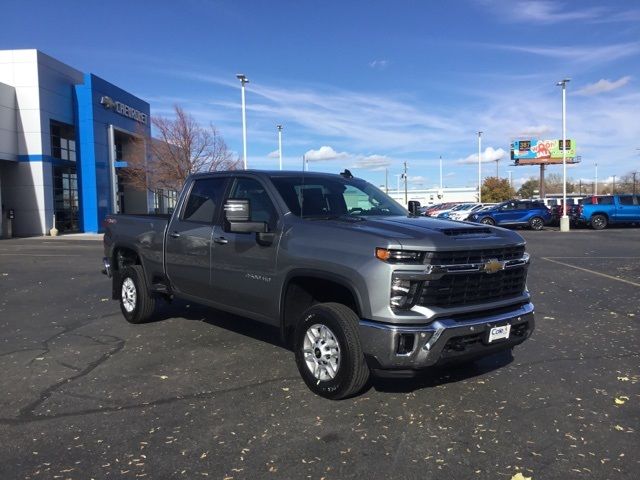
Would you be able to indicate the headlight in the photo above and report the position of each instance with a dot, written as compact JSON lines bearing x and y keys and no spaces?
{"x":404,"y":293}
{"x":399,"y":256}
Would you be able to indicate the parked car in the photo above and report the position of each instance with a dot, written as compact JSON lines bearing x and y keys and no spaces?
{"x":462,"y":211}
{"x":600,"y":211}
{"x":354,"y":283}
{"x":443,"y":207}
{"x":531,"y":213}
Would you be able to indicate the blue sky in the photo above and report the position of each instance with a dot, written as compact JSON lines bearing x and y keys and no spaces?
{"x":368,"y":84}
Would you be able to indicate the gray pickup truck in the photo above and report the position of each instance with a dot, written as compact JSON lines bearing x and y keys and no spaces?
{"x":355,"y":283}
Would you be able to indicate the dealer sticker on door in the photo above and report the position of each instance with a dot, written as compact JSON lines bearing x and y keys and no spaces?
{"x":498,"y":333}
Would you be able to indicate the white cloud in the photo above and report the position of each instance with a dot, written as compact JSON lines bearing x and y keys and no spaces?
{"x":323,"y":154}
{"x":379,"y":64}
{"x":373,"y":162}
{"x":603,"y":85}
{"x":534,"y":131}
{"x":490,"y":154}
{"x":274,"y":154}
{"x":593,"y":55}
{"x":416,"y":179}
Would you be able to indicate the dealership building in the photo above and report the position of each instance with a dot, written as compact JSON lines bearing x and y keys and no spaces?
{"x":64,"y":140}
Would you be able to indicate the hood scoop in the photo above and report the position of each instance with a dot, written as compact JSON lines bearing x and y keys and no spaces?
{"x":458,"y":232}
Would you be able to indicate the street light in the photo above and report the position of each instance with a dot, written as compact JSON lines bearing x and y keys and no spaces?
{"x":480,"y":167}
{"x":243,"y":81}
{"x":280,"y":144}
{"x":564,"y":221}
{"x":595,"y":187}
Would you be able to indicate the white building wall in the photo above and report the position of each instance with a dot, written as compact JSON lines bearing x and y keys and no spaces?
{"x":434,"y":195}
{"x":43,"y":91}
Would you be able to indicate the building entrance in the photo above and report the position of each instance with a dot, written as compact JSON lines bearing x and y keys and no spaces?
{"x":65,"y":195}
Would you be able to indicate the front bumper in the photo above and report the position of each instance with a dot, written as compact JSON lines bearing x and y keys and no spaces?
{"x":443,"y":340}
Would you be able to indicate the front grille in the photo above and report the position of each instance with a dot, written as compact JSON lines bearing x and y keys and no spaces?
{"x":473,"y":288}
{"x":473,"y":256}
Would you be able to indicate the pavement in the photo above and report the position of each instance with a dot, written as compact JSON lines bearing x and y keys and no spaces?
{"x":203,"y":394}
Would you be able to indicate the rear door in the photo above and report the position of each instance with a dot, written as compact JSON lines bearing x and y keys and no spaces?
{"x":243,"y":271}
{"x":188,"y":242}
{"x":506,"y":214}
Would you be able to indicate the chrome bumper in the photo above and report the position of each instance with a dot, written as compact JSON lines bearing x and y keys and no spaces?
{"x":443,"y":339}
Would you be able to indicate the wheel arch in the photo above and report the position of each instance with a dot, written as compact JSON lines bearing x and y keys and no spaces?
{"x":303,"y":288}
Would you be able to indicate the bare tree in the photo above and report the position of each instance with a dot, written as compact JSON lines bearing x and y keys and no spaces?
{"x":182,"y":147}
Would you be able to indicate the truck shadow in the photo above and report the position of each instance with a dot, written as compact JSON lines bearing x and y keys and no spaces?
{"x":436,"y":376}
{"x":218,"y":318}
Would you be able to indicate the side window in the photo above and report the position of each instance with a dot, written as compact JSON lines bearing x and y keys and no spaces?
{"x":605,"y":201}
{"x":203,"y":199}
{"x":626,"y":200}
{"x":262,"y":209}
{"x":523,"y":205}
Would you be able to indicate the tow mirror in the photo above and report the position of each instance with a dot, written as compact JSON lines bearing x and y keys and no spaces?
{"x":237,"y":212}
{"x":413,"y":207}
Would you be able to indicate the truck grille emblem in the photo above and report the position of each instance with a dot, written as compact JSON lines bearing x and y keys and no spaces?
{"x":493,"y":266}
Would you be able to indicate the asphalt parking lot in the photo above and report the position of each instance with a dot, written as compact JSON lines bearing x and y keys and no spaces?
{"x":204,"y":394}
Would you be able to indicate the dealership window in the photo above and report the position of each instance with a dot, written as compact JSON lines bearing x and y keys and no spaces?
{"x":63,"y":141}
{"x":164,"y":201}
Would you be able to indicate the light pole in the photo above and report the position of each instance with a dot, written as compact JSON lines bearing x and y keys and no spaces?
{"x":564,"y":221}
{"x":243,"y":81}
{"x":280,"y":144}
{"x":440,"y":172}
{"x":480,"y":167}
{"x":398,"y":177}
{"x":510,"y":182}
{"x":595,"y":186}
{"x":613,"y":188}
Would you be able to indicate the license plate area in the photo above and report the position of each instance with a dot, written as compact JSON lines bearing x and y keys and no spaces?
{"x":498,"y":333}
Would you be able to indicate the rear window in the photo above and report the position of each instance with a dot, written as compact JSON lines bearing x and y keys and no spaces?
{"x":626,"y":200}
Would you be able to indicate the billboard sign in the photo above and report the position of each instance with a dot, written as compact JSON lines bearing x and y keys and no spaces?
{"x":534,"y":151}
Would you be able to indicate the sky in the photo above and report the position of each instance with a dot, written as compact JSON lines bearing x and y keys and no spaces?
{"x":368,"y":85}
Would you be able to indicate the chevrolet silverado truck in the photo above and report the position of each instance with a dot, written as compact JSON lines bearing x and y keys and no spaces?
{"x":356,"y":284}
{"x":601,"y":211}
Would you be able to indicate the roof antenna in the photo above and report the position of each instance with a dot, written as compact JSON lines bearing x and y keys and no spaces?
{"x":346,"y":174}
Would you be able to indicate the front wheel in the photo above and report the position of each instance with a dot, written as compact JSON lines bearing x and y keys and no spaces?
{"x":136,"y":302}
{"x":488,"y":221}
{"x":328,"y":351}
{"x":536,"y":223}
{"x":599,"y":222}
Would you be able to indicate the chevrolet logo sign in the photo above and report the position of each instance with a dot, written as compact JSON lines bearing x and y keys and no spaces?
{"x":492,"y":266}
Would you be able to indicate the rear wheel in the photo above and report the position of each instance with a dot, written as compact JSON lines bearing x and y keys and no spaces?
{"x":599,"y":222}
{"x":328,"y":351}
{"x":536,"y":223}
{"x":488,"y":221}
{"x":136,"y":302}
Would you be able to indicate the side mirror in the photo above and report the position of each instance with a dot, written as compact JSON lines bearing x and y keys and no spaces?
{"x":237,"y":212}
{"x":413,"y":207}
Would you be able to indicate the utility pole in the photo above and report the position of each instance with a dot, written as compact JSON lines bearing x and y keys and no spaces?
{"x":440,"y":172}
{"x":280,"y":144}
{"x":480,"y":167}
{"x":406,"y":196}
{"x":386,"y":180}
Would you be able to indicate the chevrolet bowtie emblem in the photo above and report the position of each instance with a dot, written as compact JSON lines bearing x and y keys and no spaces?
{"x":493,"y":266}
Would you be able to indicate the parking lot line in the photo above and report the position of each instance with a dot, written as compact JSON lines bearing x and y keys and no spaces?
{"x":593,"y":271}
{"x":39,"y":255}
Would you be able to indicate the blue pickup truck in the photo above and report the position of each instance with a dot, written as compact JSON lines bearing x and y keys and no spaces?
{"x":600,"y":211}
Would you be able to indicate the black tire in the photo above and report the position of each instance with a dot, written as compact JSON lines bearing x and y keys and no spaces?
{"x":138,"y":308}
{"x":599,"y":222}
{"x":352,"y":371}
{"x":536,"y":223}
{"x":488,"y":221}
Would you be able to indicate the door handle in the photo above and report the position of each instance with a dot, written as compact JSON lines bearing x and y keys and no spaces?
{"x":220,"y":240}
{"x":174,"y":234}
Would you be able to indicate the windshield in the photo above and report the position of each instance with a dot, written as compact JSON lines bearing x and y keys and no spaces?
{"x":321,"y":197}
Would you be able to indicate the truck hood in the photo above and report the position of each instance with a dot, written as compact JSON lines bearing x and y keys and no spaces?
{"x":426,"y":233}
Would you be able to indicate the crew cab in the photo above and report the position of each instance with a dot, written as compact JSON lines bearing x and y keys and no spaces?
{"x":355,"y":283}
{"x":533,"y":214}
{"x":603,"y":210}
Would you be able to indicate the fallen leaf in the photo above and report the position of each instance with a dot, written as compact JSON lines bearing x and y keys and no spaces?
{"x":519,"y":476}
{"x":621,"y":399}
{"x":619,"y":428}
{"x":623,"y":379}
